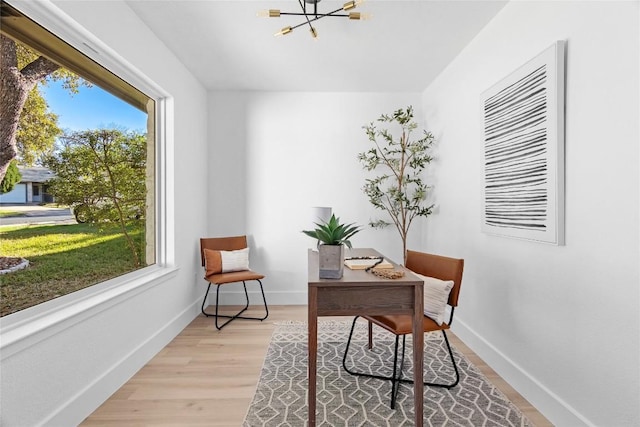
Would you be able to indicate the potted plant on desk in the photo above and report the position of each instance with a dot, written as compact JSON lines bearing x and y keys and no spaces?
{"x":332,"y":237}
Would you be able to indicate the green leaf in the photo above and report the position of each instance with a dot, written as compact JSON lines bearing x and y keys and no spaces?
{"x":333,"y":232}
{"x":399,"y":189}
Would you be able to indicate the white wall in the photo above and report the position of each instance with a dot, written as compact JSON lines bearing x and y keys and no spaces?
{"x":62,"y":379}
{"x":301,"y":151}
{"x":560,"y":323}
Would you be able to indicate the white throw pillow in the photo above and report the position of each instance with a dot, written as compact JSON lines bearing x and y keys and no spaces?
{"x":436,"y":296}
{"x":235,"y":260}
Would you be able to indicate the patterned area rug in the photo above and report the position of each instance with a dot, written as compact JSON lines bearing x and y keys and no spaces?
{"x":346,"y":400}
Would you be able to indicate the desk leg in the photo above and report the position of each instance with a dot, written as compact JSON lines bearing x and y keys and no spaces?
{"x":418,"y":354}
{"x":312,"y":352}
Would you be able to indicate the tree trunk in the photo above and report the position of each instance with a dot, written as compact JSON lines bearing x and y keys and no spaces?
{"x":404,"y":250}
{"x":15,"y":85}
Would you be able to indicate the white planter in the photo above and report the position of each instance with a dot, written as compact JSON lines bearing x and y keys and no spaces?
{"x":331,"y":261}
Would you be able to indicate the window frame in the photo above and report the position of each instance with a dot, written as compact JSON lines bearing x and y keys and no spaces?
{"x":27,"y":327}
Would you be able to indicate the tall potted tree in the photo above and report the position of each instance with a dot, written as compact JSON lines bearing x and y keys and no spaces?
{"x":332,"y":237}
{"x":399,"y":190}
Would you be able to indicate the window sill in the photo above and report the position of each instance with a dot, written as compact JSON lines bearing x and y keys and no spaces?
{"x":25,"y":328}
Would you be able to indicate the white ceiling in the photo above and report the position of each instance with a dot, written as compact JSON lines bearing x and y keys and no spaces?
{"x":402,"y":48}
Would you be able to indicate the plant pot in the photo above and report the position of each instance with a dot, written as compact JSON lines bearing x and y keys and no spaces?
{"x":331,"y":261}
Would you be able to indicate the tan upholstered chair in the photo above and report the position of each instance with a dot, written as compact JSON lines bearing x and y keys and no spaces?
{"x":436,"y":266}
{"x":220,"y":278}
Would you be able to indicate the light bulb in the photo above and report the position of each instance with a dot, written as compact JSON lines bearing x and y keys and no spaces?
{"x":349,"y":5}
{"x":271,"y":13}
{"x":359,"y":16}
{"x":282,"y":32}
{"x":352,"y":4}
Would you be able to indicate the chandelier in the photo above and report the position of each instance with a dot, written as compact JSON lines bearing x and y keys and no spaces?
{"x":311,"y":14}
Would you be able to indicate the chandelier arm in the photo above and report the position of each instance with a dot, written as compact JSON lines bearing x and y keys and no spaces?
{"x":320,"y":15}
{"x":334,"y":12}
{"x":316,"y":14}
{"x":305,"y":15}
{"x":293,"y":27}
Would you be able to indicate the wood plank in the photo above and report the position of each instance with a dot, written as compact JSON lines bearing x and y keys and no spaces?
{"x":206,"y":377}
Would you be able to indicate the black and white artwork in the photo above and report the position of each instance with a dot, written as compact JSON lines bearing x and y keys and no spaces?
{"x":523,"y":137}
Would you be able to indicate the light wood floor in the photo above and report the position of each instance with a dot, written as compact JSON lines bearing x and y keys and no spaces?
{"x":206,"y":377}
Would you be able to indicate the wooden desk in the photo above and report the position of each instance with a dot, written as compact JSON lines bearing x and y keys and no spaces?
{"x":359,"y":293}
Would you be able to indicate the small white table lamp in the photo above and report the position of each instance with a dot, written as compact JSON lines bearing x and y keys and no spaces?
{"x":320,"y":215}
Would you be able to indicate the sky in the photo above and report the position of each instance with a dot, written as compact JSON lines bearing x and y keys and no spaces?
{"x":91,"y":108}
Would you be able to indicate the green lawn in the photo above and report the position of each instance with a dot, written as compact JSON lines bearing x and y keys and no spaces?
{"x":62,"y":259}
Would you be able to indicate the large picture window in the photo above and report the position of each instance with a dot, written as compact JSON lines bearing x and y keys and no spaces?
{"x":106,"y":176}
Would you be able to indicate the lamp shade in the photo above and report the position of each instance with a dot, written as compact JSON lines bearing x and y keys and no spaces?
{"x":320,"y":214}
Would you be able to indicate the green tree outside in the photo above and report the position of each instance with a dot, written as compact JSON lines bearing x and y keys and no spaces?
{"x":101,"y":174}
{"x":11,"y":178}
{"x":21,"y":71}
{"x":37,"y":130}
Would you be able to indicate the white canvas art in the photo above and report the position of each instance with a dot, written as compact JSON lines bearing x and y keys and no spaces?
{"x":523,"y":138}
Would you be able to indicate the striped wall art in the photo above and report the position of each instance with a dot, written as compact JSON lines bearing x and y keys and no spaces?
{"x":523,"y":137}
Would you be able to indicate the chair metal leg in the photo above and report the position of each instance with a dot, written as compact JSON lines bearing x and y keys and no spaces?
{"x":238,"y":314}
{"x":453,"y":362}
{"x":235,"y":316}
{"x":344,"y":358}
{"x":204,"y":301}
{"x":397,"y":372}
{"x":396,"y":381}
{"x":346,"y":350}
{"x":396,"y":377}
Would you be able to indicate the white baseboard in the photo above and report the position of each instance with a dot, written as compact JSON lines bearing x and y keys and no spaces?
{"x":87,"y":400}
{"x":544,"y":400}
